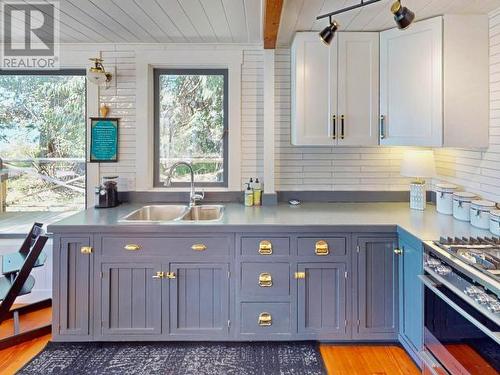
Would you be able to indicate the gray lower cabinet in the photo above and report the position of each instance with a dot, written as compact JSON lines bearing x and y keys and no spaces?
{"x":321,"y":299}
{"x":376,"y":288}
{"x":73,"y":261}
{"x":131,"y":301}
{"x":199,"y":300}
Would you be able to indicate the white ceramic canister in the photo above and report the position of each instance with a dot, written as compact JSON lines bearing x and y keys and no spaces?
{"x":480,"y":213}
{"x":461,"y":205}
{"x":444,"y":198}
{"x":495,"y":222}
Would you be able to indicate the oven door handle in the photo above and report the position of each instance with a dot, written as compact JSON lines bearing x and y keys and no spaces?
{"x":429,"y":283}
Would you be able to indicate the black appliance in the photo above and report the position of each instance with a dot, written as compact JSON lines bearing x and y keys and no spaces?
{"x":106,"y":194}
{"x":461,"y":306}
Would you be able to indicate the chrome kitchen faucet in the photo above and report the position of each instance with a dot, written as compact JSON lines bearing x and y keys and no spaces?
{"x":193,"y":197}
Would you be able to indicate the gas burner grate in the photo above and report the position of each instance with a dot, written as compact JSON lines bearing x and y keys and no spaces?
{"x":469,"y":241}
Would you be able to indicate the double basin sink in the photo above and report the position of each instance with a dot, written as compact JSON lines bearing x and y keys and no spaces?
{"x":170,"y":213}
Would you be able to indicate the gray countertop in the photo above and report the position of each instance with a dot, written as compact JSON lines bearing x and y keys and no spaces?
{"x":309,"y":217}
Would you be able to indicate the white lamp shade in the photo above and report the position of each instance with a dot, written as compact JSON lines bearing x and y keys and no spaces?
{"x":418,"y":163}
{"x":98,"y":78}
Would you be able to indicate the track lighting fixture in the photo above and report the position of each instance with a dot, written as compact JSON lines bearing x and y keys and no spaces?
{"x":402,"y":15}
{"x":327,"y":34}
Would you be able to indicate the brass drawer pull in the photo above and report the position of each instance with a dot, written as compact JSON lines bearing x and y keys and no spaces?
{"x":132,"y":247}
{"x":265,"y":280}
{"x":321,"y":248}
{"x":398,"y":251}
{"x":265,"y":247}
{"x":199,"y":247}
{"x":86,"y":250}
{"x":159,"y":275}
{"x":265,"y":319}
{"x":300,"y":275}
{"x":170,"y":275}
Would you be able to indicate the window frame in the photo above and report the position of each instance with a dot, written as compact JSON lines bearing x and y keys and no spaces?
{"x":65,"y":72}
{"x":157,"y":72}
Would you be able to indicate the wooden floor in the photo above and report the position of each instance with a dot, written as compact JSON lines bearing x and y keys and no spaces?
{"x":338,"y":359}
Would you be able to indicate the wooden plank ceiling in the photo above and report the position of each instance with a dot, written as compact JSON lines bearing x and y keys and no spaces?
{"x":300,"y":15}
{"x":160,"y":21}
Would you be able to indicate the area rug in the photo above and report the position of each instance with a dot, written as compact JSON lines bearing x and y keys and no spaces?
{"x":179,"y":358}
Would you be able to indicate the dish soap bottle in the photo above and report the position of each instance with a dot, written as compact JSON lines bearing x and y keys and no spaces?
{"x":248,"y":196}
{"x":257,"y":193}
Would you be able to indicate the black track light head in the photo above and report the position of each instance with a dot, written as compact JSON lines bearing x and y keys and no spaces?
{"x":327,"y":34}
{"x":402,"y":15}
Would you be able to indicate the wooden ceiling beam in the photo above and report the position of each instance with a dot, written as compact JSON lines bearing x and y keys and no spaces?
{"x":272,"y":22}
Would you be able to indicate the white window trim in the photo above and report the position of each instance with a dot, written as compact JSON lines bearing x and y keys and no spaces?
{"x":202,"y":58}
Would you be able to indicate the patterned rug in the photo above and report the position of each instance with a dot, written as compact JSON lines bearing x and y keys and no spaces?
{"x":179,"y":358}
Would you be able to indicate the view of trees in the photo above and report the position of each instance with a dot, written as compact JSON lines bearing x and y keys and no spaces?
{"x":42,"y":140}
{"x":191,"y":125}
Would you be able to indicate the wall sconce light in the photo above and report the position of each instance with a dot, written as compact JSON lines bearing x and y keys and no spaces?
{"x":97,"y":74}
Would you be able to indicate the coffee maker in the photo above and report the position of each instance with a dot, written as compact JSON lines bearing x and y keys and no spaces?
{"x":106,"y":194}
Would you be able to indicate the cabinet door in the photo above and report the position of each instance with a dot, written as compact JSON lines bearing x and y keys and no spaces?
{"x":314,"y":90}
{"x":358,"y":89}
{"x":322,"y":299}
{"x":199,"y":300}
{"x":377,"y":288}
{"x":131,"y":299}
{"x":74,"y":270}
{"x":411,"y":85}
{"x":411,"y":292}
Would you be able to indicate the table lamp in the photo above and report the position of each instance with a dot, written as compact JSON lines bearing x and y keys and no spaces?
{"x":418,"y":164}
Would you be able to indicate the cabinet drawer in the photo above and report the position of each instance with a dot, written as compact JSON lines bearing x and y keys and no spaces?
{"x":265,"y":279}
{"x":262,"y":318}
{"x":321,"y":246}
{"x":269,"y":246}
{"x":190,"y":247}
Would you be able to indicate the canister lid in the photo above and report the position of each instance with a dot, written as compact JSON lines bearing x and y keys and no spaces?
{"x":482,"y":205}
{"x":495,"y":214}
{"x":446,"y":188}
{"x":464,"y":196}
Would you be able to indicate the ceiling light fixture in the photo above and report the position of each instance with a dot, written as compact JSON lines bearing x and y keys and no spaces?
{"x":327,"y":34}
{"x":97,"y":74}
{"x":402,"y":15}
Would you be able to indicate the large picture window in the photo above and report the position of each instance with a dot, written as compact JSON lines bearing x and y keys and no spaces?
{"x":42,"y":139}
{"x":191,"y":122}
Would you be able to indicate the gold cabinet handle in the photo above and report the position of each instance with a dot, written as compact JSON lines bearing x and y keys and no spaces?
{"x":86,"y":250}
{"x":199,"y":247}
{"x":159,"y":275}
{"x":265,"y":247}
{"x":265,"y":319}
{"x":132,"y":247}
{"x":265,"y":280}
{"x":321,"y":248}
{"x":170,"y":275}
{"x":398,"y":251}
{"x":300,"y":275}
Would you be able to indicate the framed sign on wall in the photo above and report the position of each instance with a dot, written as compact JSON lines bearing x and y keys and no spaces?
{"x":103,"y":140}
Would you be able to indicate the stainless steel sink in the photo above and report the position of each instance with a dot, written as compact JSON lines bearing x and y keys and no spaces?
{"x":157,"y":213}
{"x":204,"y":213}
{"x":165,"y":213}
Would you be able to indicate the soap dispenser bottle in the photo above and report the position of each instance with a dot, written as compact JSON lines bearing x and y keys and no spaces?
{"x":257,"y":193}
{"x":248,"y":196}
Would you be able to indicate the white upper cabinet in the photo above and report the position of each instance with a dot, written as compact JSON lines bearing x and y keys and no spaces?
{"x":358,"y":88}
{"x":314,"y":82}
{"x":434,"y":83}
{"x":335,"y":90}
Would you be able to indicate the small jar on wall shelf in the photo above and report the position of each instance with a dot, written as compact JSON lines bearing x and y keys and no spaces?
{"x":418,"y":164}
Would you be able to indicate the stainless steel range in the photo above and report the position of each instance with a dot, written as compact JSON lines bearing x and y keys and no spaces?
{"x":462,"y":306}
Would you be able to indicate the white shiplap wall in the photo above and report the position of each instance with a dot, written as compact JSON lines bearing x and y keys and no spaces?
{"x":327,"y":168}
{"x":474,"y":170}
{"x":120,"y":97}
